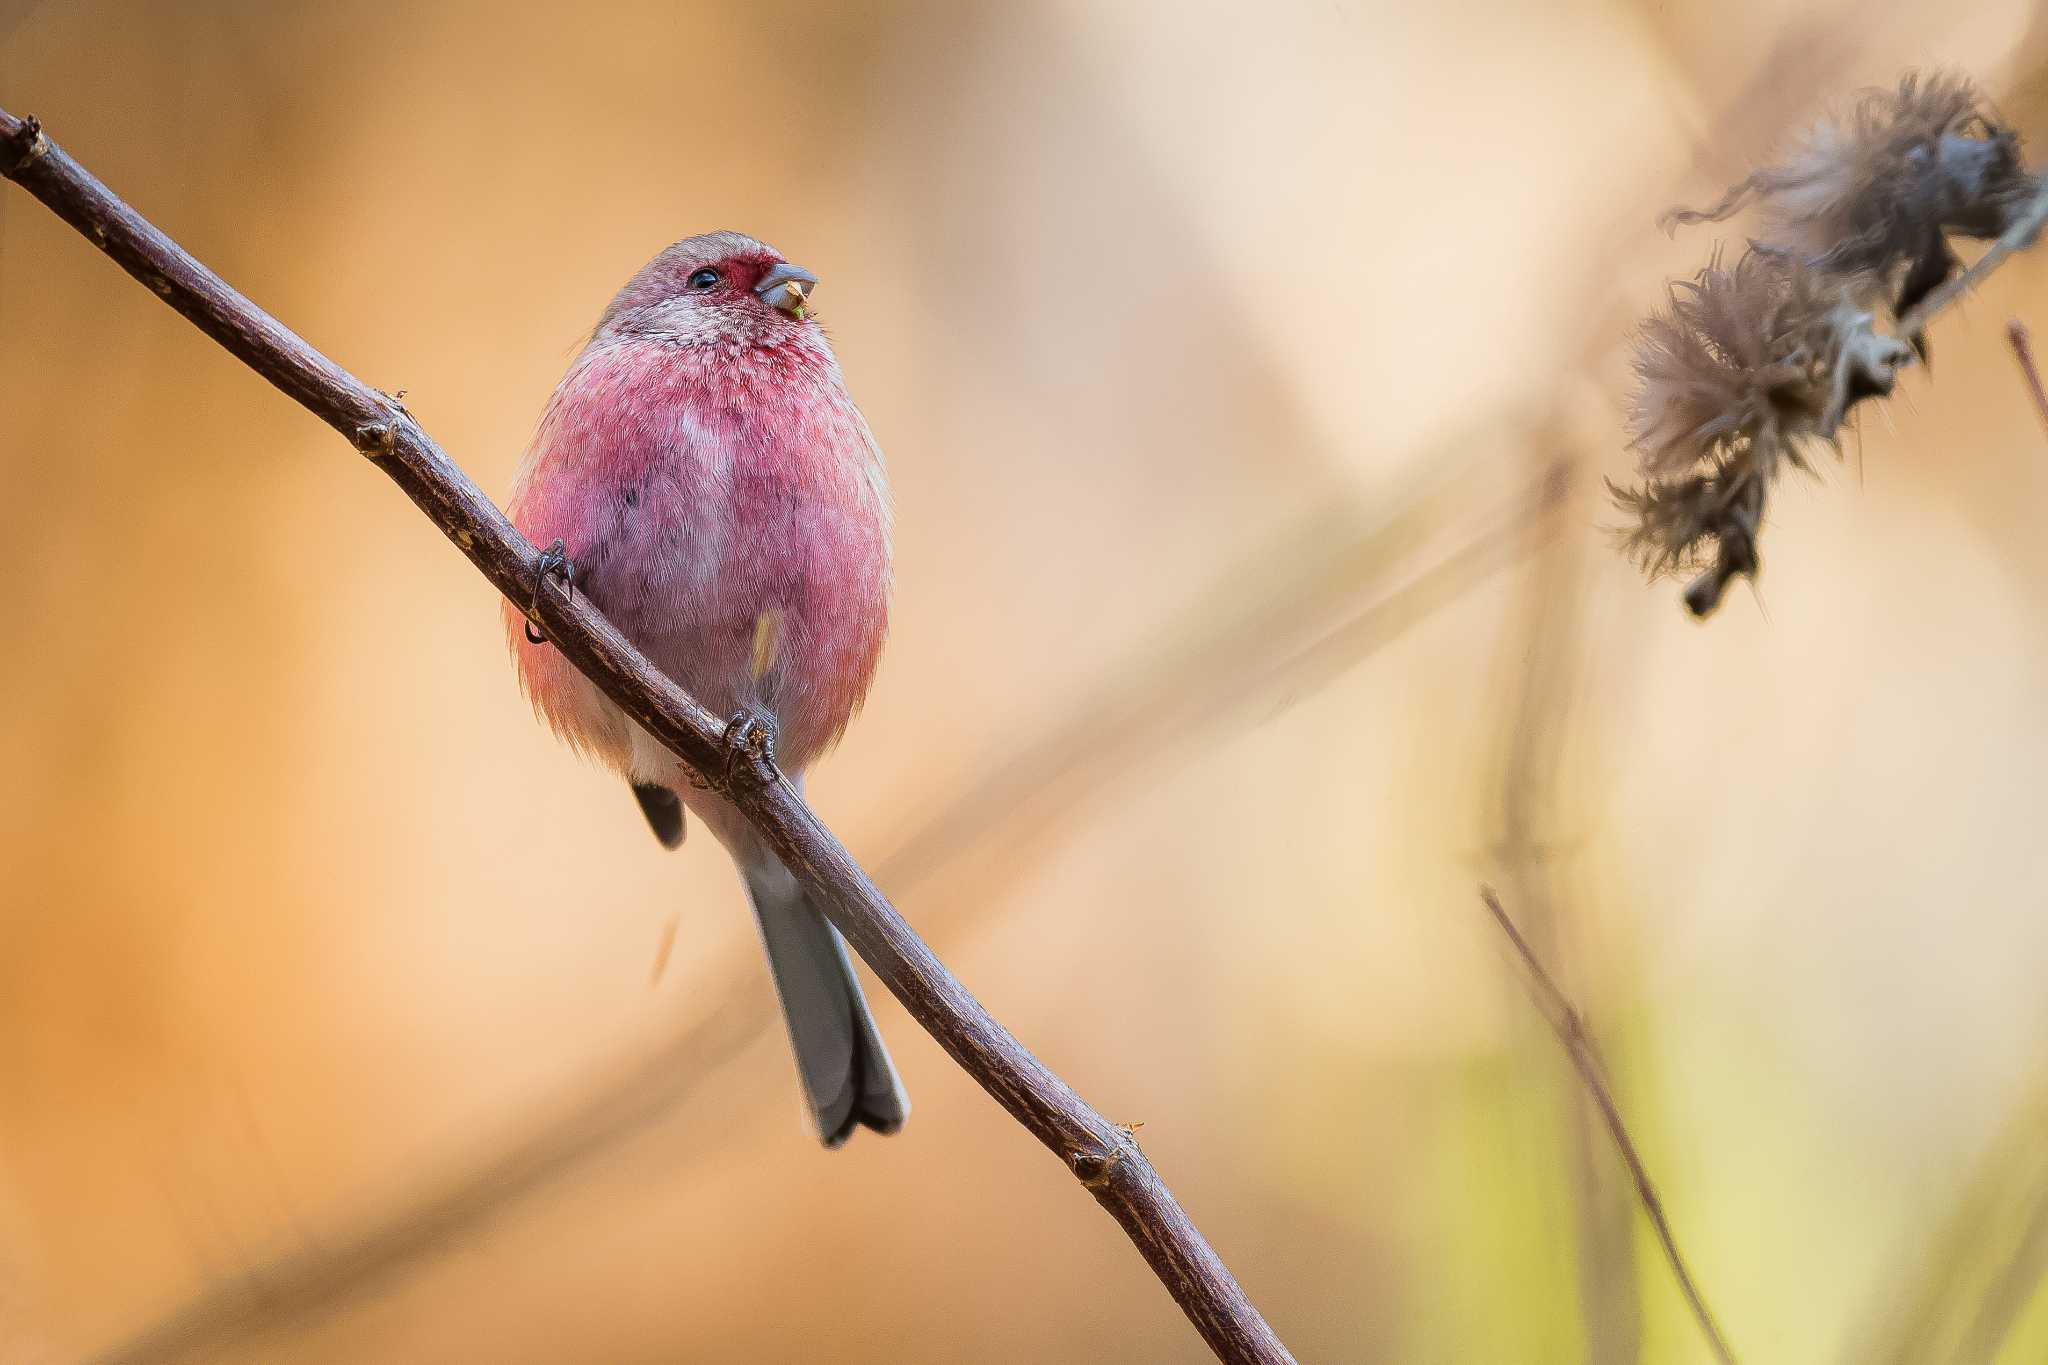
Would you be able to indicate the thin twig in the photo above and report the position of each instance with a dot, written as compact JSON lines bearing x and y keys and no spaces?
{"x":2023,"y":348}
{"x":1546,"y":647}
{"x":2018,"y":237}
{"x":1102,"y":1156}
{"x":1182,"y":694}
{"x":1564,"y":1019}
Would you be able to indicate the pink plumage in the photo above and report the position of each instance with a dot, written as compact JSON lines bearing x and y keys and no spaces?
{"x":723,"y":502}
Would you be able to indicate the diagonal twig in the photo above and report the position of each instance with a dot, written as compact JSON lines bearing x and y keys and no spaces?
{"x":1564,"y":1020}
{"x":2023,"y":349}
{"x":1101,"y":1155}
{"x":2018,"y":237}
{"x":1185,"y":692}
{"x":1546,"y":647}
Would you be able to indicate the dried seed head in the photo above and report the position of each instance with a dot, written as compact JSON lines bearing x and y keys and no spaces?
{"x":1746,"y":369}
{"x":1876,"y":190}
{"x":1675,"y":521}
{"x":1749,"y":369}
{"x":1728,"y":362}
{"x":1765,"y":357}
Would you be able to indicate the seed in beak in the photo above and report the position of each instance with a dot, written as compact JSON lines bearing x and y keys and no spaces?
{"x":787,"y":288}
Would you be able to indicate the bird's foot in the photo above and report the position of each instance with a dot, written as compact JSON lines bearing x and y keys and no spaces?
{"x":553,"y":561}
{"x":749,"y":750}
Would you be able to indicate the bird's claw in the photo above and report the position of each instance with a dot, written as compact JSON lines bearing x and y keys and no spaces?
{"x":553,"y":561}
{"x":749,"y":750}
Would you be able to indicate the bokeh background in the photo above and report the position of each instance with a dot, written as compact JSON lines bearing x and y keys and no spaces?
{"x":1248,"y":379}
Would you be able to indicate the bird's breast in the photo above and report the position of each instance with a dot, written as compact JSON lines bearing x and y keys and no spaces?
{"x":727,"y":513}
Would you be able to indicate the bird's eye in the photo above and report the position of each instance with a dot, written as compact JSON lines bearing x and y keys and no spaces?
{"x":703,"y":279}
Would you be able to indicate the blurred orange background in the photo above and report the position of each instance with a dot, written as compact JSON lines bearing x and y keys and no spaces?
{"x":1247,"y":381}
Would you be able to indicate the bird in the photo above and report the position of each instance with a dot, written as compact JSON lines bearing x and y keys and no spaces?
{"x":702,"y":475}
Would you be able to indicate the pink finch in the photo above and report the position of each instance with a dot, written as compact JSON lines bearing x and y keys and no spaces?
{"x":721,"y":500}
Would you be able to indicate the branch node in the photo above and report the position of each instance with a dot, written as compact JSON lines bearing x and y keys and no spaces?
{"x":27,"y":144}
{"x":379,"y":440}
{"x":1095,"y":1169}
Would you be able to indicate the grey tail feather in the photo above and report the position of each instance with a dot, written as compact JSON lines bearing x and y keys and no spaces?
{"x":847,"y":1076}
{"x":664,"y":812}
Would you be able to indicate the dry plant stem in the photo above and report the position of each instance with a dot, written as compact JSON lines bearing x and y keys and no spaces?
{"x":1546,"y":648}
{"x":1564,"y":1019}
{"x":1102,"y":1155}
{"x":2018,"y":237}
{"x":2023,"y":348}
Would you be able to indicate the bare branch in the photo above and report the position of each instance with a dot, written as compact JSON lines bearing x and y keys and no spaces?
{"x":1101,"y":1155}
{"x":1564,"y":1019}
{"x":1188,"y":688}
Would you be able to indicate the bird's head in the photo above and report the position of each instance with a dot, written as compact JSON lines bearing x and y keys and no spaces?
{"x":720,"y":288}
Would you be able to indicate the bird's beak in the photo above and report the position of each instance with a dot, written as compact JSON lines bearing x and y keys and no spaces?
{"x":787,"y":287}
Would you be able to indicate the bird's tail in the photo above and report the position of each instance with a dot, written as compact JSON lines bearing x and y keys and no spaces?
{"x":847,"y":1076}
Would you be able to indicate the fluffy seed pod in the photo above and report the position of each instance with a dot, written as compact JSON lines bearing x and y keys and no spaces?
{"x":1745,"y":370}
{"x":1877,"y":191}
